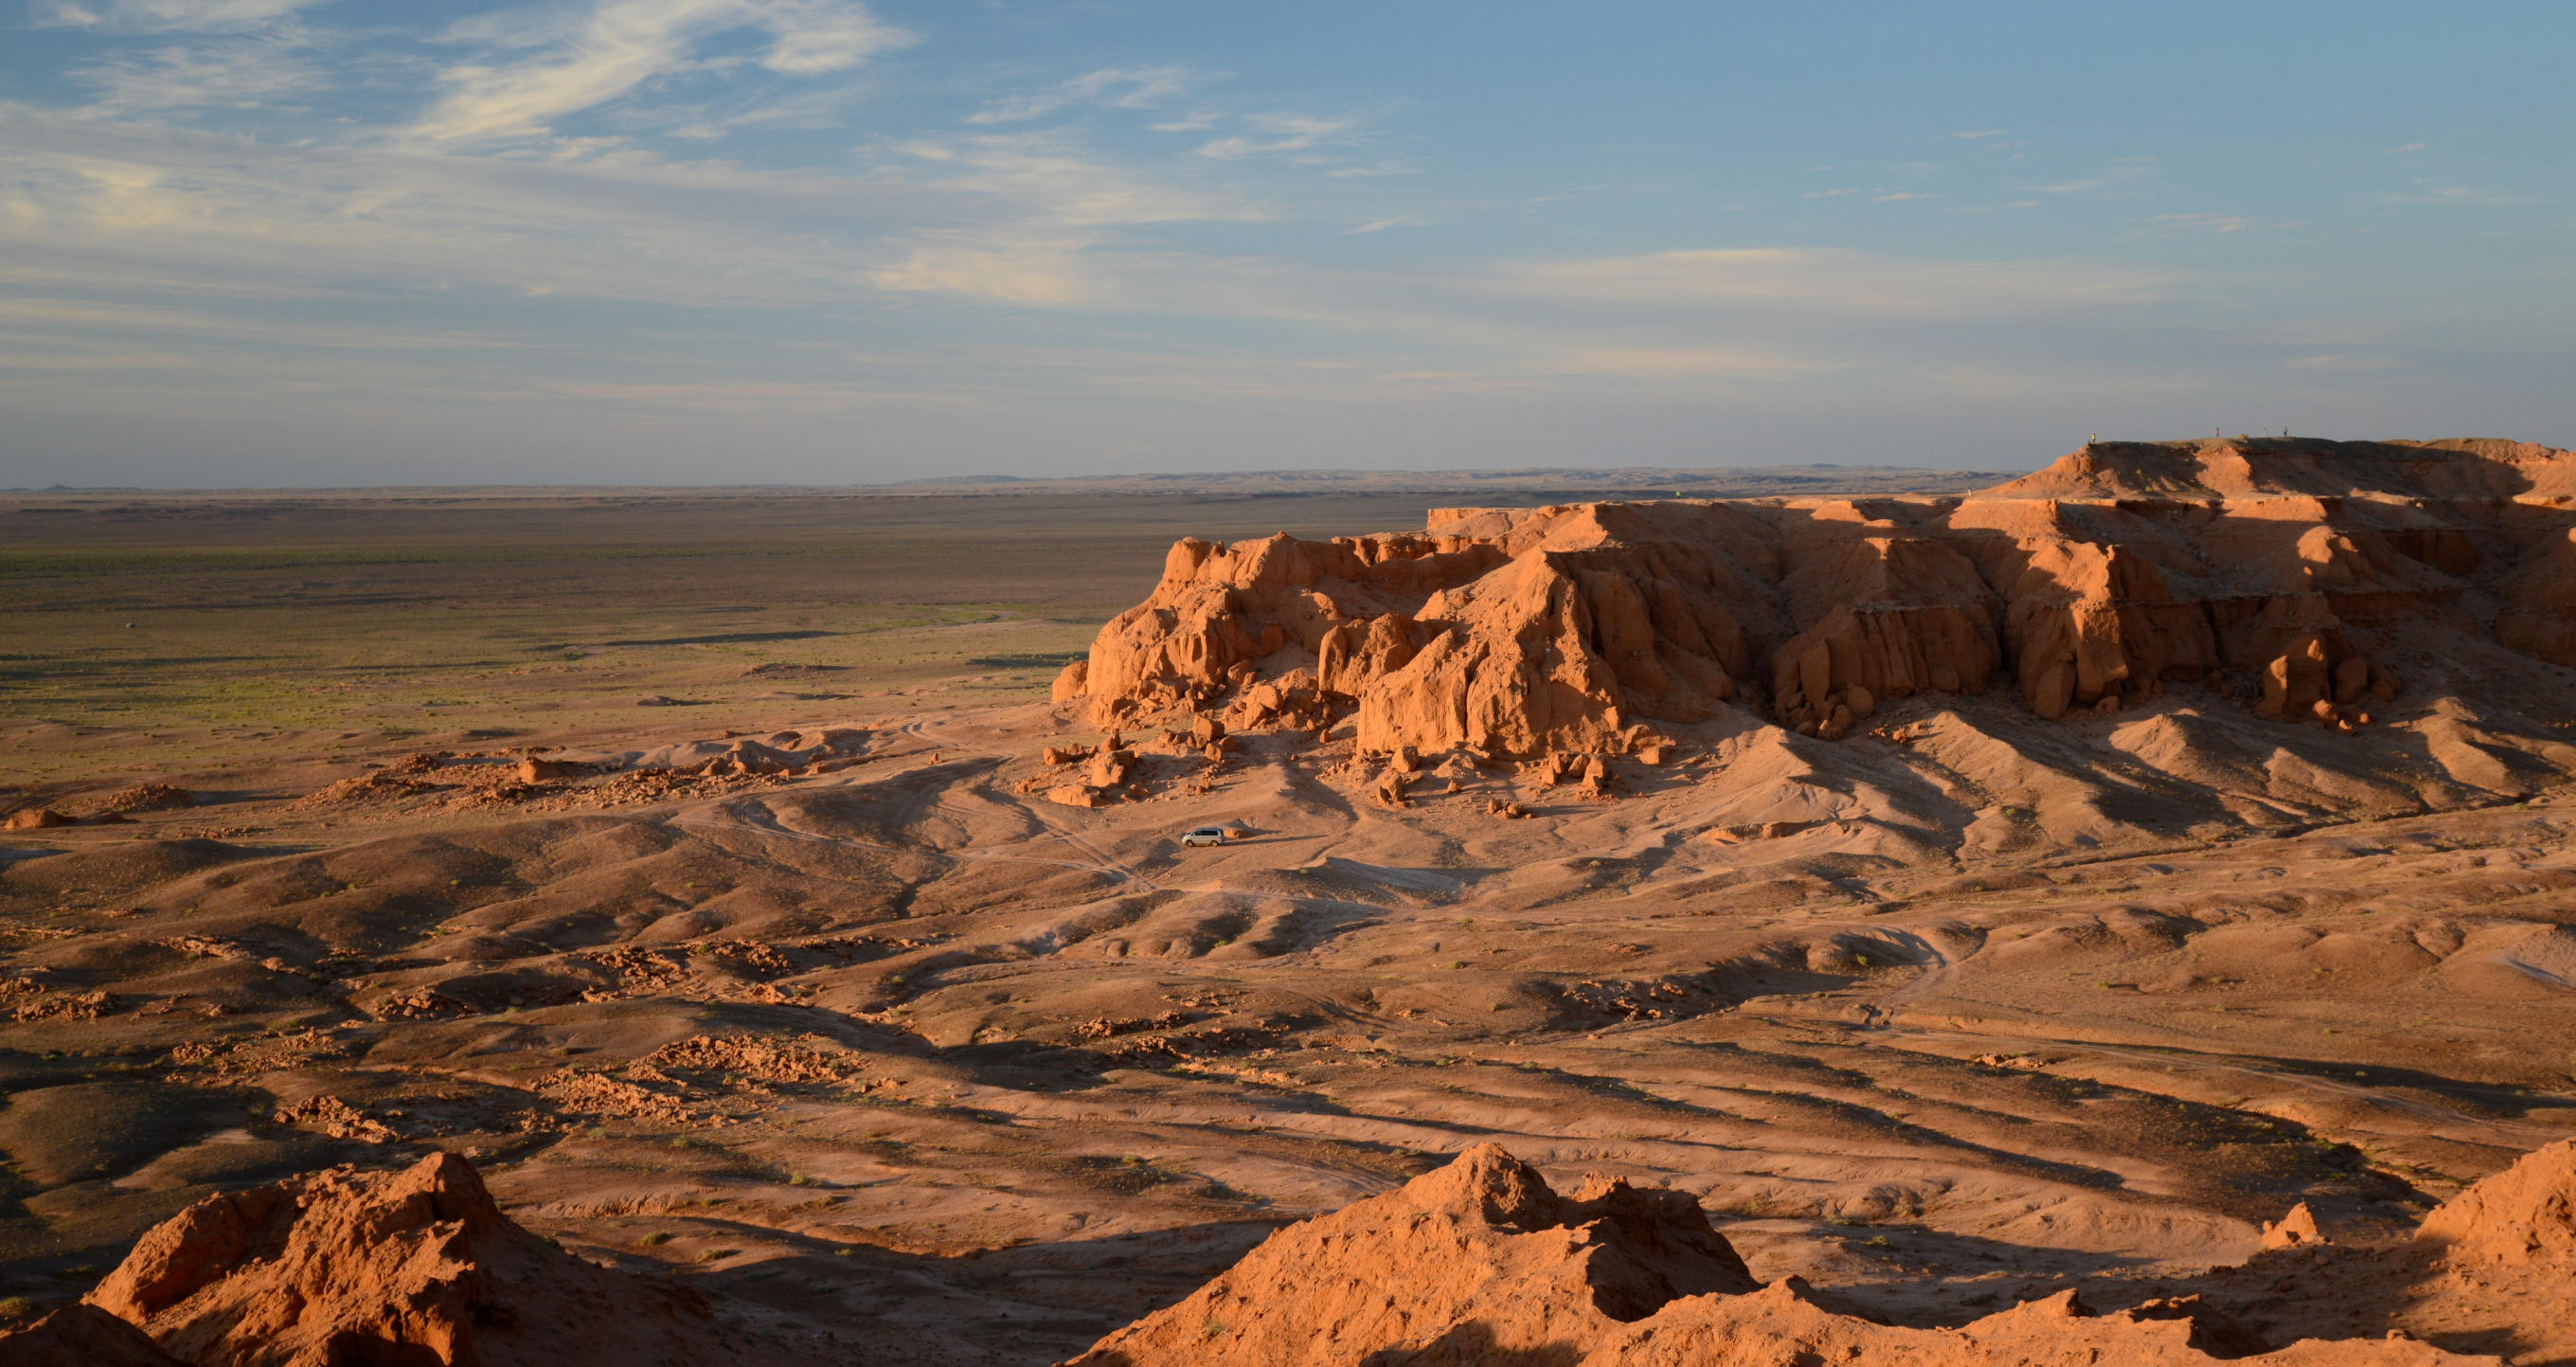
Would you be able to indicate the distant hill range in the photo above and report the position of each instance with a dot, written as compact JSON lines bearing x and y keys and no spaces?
{"x":1624,"y":482}
{"x":1528,"y":486}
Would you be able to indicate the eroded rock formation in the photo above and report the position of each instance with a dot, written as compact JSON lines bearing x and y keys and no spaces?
{"x":1483,"y":1249}
{"x":2524,"y":1216}
{"x":1481,"y":1262}
{"x":417,"y":1266}
{"x":2272,"y":569}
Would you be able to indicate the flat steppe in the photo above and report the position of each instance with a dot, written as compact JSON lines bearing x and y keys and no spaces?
{"x":902,"y":1053}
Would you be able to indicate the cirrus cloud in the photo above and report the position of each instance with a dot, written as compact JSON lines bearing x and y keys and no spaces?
{"x":581,"y":62}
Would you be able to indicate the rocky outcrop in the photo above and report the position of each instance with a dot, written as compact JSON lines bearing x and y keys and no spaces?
{"x":82,"y":1336}
{"x":1483,"y":1243}
{"x":417,"y":1266}
{"x":2539,"y":616}
{"x":2524,"y":1216}
{"x":2271,"y":569}
{"x":1481,"y":1262}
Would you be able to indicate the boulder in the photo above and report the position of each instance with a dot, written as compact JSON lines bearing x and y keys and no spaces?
{"x":1109,"y":767}
{"x":2295,"y":682}
{"x":2297,"y":1229}
{"x":414,"y":1266}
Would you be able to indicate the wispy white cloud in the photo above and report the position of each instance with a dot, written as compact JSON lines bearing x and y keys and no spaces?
{"x":2342,"y":361}
{"x":1283,"y":133}
{"x":2120,"y":179}
{"x":163,"y":16}
{"x":2463,"y":196}
{"x":1057,"y":177}
{"x":996,"y":267}
{"x":1414,"y":220}
{"x":103,"y":203}
{"x":1680,"y":363}
{"x":1838,"y":280}
{"x":825,"y":107}
{"x":1048,"y":204}
{"x":2339,"y":333}
{"x":2216,"y":223}
{"x":564,"y":64}
{"x":1383,"y":166}
{"x":49,"y":355}
{"x":232,"y":73}
{"x":1975,"y":136}
{"x":2405,"y":147}
{"x":113,"y":317}
{"x":1113,"y":87}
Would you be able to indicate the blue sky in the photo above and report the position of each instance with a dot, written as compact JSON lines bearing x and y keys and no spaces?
{"x":344,"y":242}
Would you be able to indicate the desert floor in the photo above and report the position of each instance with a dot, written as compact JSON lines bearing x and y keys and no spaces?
{"x":903,"y":1053}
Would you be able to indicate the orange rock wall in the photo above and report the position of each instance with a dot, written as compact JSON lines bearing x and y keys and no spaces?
{"x":2087,"y":586}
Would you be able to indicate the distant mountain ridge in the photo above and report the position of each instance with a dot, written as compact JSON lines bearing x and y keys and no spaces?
{"x":1751,"y":481}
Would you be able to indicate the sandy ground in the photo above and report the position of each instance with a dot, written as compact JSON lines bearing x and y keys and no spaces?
{"x":1938,"y":1018}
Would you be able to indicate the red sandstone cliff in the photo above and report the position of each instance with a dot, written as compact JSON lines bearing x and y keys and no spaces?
{"x":2268,"y":567}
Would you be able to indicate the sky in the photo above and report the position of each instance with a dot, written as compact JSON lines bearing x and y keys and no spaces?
{"x":350,"y":242}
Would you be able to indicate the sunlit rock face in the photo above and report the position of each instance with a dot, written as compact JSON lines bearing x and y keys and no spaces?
{"x":2278,"y":571}
{"x":1482,"y":1262}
